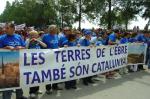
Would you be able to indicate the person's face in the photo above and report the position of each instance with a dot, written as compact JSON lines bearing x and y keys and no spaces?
{"x":46,"y":30}
{"x":78,"y":35}
{"x":9,"y":30}
{"x":88,"y":37}
{"x":117,"y":35}
{"x":54,"y":31}
{"x":34,"y":36}
{"x":67,"y":32}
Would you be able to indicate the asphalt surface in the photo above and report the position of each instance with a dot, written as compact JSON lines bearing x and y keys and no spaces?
{"x":129,"y":86}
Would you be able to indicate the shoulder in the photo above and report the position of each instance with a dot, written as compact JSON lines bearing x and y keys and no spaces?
{"x":61,"y":35}
{"x":82,"y":38}
{"x":3,"y":36}
{"x":45,"y":36}
{"x":111,"y":35}
{"x":17,"y":36}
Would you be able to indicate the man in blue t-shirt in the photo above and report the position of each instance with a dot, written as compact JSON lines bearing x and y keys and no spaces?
{"x":124,"y":38}
{"x":132,"y":38}
{"x":52,"y":41}
{"x":148,"y":50}
{"x":113,"y":38}
{"x":63,"y":36}
{"x":85,"y":41}
{"x":140,"y":38}
{"x":12,"y":41}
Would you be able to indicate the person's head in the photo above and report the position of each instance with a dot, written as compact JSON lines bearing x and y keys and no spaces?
{"x":78,"y":34}
{"x":1,"y":31}
{"x":133,"y":35}
{"x":71,"y":37}
{"x":87,"y":35}
{"x":10,"y":28}
{"x":97,"y":31}
{"x":124,"y":35}
{"x":33,"y":34}
{"x":41,"y":33}
{"x":52,"y":29}
{"x":45,"y":29}
{"x":116,"y":31}
{"x":67,"y":31}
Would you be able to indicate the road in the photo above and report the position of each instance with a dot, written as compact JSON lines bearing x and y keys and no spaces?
{"x":129,"y":86}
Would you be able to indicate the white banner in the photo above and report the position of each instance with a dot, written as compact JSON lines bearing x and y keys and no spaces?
{"x":53,"y":66}
{"x":26,"y":68}
{"x":20,"y":27}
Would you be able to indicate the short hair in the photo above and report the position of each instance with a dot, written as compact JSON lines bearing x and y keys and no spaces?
{"x":71,"y":36}
{"x":33,"y":32}
{"x":11,"y":25}
{"x":66,"y":28}
{"x":52,"y":27}
{"x":77,"y":32}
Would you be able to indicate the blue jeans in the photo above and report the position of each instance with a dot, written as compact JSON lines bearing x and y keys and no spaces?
{"x":148,"y":57}
{"x":7,"y":94}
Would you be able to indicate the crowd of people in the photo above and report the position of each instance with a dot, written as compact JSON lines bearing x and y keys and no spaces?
{"x":52,"y":37}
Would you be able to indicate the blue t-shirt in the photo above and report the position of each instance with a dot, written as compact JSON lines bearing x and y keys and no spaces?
{"x":71,"y":44}
{"x":62,"y":40}
{"x":51,"y":41}
{"x":141,"y":38}
{"x":78,"y":40}
{"x":93,"y":40}
{"x":148,"y":41}
{"x":105,"y":41}
{"x":34,"y":45}
{"x":112,"y":37}
{"x":123,"y":40}
{"x":11,"y":40}
{"x":132,"y":40}
{"x":98,"y":43}
{"x":94,"y":34}
{"x":85,"y":42}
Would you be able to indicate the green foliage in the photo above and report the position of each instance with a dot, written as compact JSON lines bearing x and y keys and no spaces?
{"x":65,"y":12}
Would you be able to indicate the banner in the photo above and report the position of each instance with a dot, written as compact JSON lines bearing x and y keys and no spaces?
{"x":20,"y":27}
{"x":137,"y":53}
{"x":27,"y":68}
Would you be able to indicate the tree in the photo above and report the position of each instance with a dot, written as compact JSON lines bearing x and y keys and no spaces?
{"x":146,"y":14}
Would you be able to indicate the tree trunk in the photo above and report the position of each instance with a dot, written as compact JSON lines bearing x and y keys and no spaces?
{"x":147,"y":25}
{"x":62,"y":20}
{"x":126,"y":23}
{"x":80,"y":14}
{"x":109,"y":15}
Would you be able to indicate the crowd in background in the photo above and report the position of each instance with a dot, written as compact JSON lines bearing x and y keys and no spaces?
{"x":51,"y":37}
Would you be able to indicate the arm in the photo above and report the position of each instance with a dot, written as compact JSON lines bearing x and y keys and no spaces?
{"x":42,"y":43}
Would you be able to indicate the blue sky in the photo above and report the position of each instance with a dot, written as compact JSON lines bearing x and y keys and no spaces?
{"x":136,"y":49}
{"x":140,"y":22}
{"x":9,"y":57}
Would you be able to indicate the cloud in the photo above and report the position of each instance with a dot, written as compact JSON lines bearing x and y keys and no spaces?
{"x":3,"y":4}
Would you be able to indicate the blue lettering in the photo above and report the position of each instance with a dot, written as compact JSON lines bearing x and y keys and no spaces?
{"x":64,"y":56}
{"x":34,"y":58}
{"x":25,"y":60}
{"x":46,"y":75}
{"x":56,"y":74}
{"x":57,"y":52}
{"x":27,"y":74}
{"x":35,"y":78}
{"x":72,"y":72}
